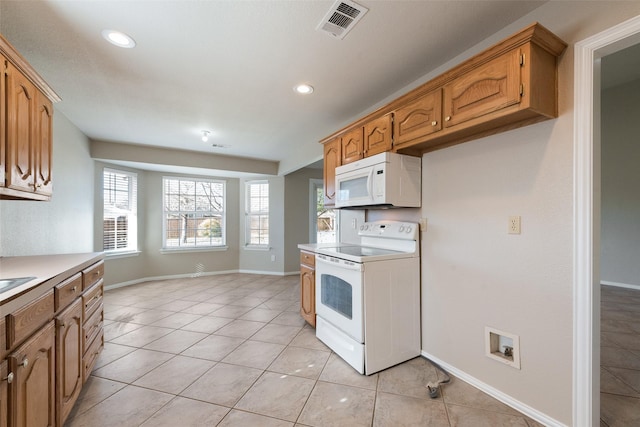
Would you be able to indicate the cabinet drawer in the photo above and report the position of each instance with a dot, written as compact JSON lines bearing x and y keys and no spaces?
{"x":92,"y":299}
{"x":91,"y":328}
{"x":23,"y":322}
{"x":91,"y":355}
{"x":65,"y":292}
{"x":92,"y":274}
{"x":307,"y":258}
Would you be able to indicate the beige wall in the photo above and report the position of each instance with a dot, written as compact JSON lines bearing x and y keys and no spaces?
{"x":473,"y":273}
{"x":271,"y":260}
{"x":151,"y":261}
{"x":296,"y":214}
{"x":64,"y":224}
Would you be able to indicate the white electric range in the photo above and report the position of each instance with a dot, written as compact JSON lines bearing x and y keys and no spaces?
{"x":368,"y":296}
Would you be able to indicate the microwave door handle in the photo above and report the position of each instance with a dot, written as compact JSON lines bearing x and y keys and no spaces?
{"x":370,"y":184}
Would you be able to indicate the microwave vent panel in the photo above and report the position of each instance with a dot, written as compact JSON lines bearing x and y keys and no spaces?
{"x":341,"y":18}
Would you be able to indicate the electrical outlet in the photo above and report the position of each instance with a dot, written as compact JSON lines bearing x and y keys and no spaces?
{"x":514,"y":225}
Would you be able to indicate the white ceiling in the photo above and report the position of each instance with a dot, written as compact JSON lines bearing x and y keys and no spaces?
{"x":230,"y":66}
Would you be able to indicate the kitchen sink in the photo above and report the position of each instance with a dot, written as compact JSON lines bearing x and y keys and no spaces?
{"x":6,"y":284}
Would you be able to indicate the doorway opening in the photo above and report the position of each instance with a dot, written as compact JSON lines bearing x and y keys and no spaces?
{"x":323,"y":222}
{"x":587,"y":220}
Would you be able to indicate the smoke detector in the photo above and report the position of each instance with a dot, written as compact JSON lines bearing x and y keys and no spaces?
{"x":341,"y":18}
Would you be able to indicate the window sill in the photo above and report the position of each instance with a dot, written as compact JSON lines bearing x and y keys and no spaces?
{"x":257,"y":248}
{"x":189,"y":250}
{"x":123,"y":254}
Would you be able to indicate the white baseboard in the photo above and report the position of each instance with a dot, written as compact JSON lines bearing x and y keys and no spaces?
{"x":270,"y":273}
{"x":497,"y":394}
{"x":620,"y":285}
{"x":191,"y":275}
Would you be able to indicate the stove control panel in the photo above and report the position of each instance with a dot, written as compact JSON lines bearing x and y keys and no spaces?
{"x":389,"y":229}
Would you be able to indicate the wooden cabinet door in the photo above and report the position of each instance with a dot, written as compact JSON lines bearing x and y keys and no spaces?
{"x":3,"y":117}
{"x":418,"y":119}
{"x":21,"y":98}
{"x":332,"y":157}
{"x":377,"y":136}
{"x":352,"y":146}
{"x":5,"y":380}
{"x":43,"y":144}
{"x":33,"y":387}
{"x":68,"y":359}
{"x":486,"y":89}
{"x":308,"y":294}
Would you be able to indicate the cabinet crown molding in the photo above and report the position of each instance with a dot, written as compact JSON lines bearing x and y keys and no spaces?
{"x":25,"y":68}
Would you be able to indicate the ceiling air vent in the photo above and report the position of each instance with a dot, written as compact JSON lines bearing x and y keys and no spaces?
{"x":341,"y":18}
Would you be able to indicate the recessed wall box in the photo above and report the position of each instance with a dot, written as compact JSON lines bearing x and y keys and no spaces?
{"x":502,"y":346}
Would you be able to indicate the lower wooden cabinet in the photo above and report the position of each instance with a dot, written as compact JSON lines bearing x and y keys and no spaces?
{"x":49,"y":352}
{"x":308,"y":287}
{"x":33,"y":386}
{"x":5,"y":380}
{"x":69,"y":336}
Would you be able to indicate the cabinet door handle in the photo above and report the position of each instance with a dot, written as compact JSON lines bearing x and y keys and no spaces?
{"x":75,"y":288}
{"x":25,"y":362}
{"x":434,"y":123}
{"x":448,"y":118}
{"x":9,"y":378}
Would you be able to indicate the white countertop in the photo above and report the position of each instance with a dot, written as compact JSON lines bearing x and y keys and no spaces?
{"x":313,"y":247}
{"x":43,"y":268}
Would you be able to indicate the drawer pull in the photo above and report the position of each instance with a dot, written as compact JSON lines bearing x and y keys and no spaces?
{"x":74,"y":289}
{"x":9,"y":378}
{"x":24,"y":363}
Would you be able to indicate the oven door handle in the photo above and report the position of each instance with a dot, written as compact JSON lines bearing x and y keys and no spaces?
{"x":337,"y":262}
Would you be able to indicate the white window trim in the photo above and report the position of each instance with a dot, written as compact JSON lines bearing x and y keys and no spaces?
{"x":166,"y":251}
{"x":203,"y":248}
{"x":121,"y":254}
{"x":132,"y":226}
{"x":247,"y":214}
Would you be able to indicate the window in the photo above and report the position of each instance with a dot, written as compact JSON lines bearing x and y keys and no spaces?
{"x":194,"y":213}
{"x":257,"y":213}
{"x":120,"y":219}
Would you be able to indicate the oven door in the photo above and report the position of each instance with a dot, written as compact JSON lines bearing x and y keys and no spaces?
{"x":339,"y":294}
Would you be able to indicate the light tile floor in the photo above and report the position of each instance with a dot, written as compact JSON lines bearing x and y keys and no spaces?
{"x":620,"y":357}
{"x":232,"y":350}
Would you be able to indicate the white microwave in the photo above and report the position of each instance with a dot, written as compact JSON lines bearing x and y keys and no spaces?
{"x":383,"y":180}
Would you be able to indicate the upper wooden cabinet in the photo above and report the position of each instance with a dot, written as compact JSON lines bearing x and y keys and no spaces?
{"x":418,"y":118}
{"x":491,"y":87}
{"x":509,"y":85}
{"x":332,"y":159}
{"x":3,"y":118}
{"x":352,"y":146}
{"x":26,"y":116}
{"x":378,"y":135}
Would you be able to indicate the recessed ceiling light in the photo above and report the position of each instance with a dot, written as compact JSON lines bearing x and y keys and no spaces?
{"x":303,"y":89}
{"x":205,"y":135}
{"x":118,"y":38}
